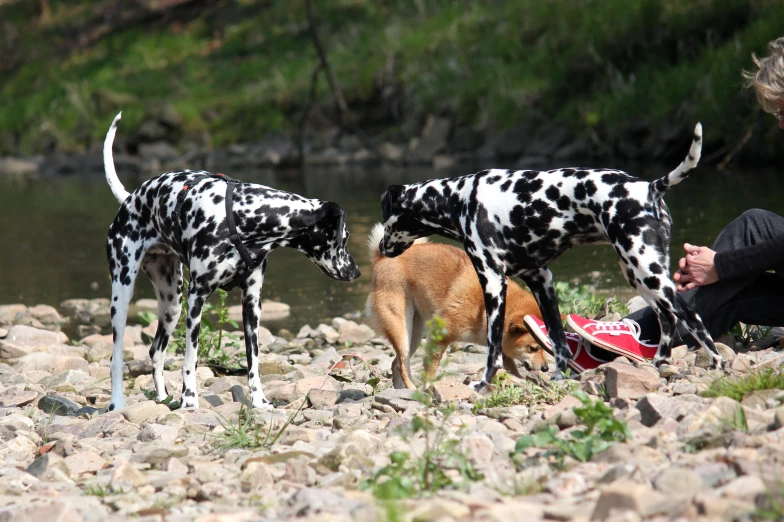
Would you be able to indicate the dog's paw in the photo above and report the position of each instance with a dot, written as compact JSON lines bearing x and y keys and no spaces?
{"x":659,"y":361}
{"x":261,"y":403}
{"x":190,"y":404}
{"x":478,"y":386}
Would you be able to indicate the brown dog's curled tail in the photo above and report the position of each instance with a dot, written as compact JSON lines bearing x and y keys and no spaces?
{"x":375,"y":237}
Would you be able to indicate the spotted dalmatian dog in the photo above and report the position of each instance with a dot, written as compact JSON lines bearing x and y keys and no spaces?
{"x":148,"y":234}
{"x":517,"y":222}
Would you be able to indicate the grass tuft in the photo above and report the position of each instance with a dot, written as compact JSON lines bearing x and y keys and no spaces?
{"x":737,"y":387}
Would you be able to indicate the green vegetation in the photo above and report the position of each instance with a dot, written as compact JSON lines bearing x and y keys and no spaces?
{"x":526,"y":393}
{"x":241,"y":69}
{"x":737,"y":387}
{"x":583,"y":301}
{"x":601,"y":430}
{"x":442,"y":464}
{"x":212,"y":350}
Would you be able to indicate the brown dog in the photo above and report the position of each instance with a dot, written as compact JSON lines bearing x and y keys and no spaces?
{"x":434,"y":279}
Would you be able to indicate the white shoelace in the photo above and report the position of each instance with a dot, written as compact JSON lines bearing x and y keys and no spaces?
{"x":618,"y":327}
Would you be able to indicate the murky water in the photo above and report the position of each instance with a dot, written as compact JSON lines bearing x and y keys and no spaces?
{"x":53,"y":232}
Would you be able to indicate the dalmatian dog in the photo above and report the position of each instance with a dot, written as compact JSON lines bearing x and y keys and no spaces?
{"x":180,"y":218}
{"x":517,"y":222}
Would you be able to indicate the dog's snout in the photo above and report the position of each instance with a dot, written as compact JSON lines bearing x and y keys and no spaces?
{"x":545,"y":368}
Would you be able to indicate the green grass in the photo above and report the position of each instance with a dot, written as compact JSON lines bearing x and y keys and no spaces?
{"x":737,"y":387}
{"x":527,"y":394}
{"x":242,"y":69}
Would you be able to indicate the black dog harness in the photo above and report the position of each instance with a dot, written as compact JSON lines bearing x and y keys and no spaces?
{"x":247,"y":258}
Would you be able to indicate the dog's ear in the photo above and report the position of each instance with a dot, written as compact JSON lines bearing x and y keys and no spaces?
{"x":518,"y":328}
{"x":389,"y":200}
{"x":328,"y":210}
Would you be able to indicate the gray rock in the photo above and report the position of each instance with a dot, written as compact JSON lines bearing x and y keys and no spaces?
{"x":351,"y":332}
{"x":679,"y":481}
{"x":18,"y":167}
{"x":57,"y":405}
{"x":626,"y":381}
{"x":654,"y":407}
{"x":238,"y":395}
{"x":400,"y":400}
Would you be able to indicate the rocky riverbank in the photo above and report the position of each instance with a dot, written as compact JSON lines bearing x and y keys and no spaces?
{"x":338,"y":424}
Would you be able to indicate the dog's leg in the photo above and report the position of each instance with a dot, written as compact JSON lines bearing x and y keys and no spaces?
{"x":251,"y":315}
{"x":540,"y":282}
{"x":416,"y":325}
{"x":693,"y":324}
{"x":124,"y":259}
{"x":165,"y":272}
{"x":493,"y":280}
{"x":196,"y":298}
{"x":395,"y":317}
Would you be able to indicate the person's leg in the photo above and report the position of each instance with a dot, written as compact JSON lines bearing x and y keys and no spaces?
{"x":761,"y":303}
{"x":751,"y":227}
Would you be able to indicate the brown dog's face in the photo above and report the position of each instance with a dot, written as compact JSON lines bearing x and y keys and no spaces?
{"x":519,"y":345}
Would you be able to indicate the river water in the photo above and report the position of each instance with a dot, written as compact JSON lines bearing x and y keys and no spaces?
{"x":53,"y":233}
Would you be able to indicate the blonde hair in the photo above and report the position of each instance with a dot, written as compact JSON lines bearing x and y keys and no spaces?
{"x":768,"y":79}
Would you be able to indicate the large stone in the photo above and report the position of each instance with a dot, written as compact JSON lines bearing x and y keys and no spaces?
{"x":399,"y":399}
{"x":451,"y":389}
{"x":48,"y":315}
{"x":51,"y":363}
{"x":654,"y":407}
{"x":323,"y":399}
{"x":100,"y":351}
{"x":627,"y":382}
{"x":679,"y":481}
{"x":126,"y":477}
{"x":84,"y":462}
{"x":19,"y":167}
{"x":295,"y":390}
{"x":58,"y":405}
{"x":353,"y":333}
{"x":88,"y":311}
{"x":23,"y":340}
{"x":75,"y":378}
{"x":17,"y":398}
{"x":165,"y":433}
{"x":144,"y":411}
{"x":12,"y":313}
{"x":44,"y":467}
{"x":626,"y":496}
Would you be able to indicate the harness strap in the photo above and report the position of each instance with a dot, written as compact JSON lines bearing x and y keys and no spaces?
{"x":250,"y":266}
{"x":234,"y":237}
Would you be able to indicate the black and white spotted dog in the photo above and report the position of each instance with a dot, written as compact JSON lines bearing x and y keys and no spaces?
{"x":181,"y":217}
{"x":517,"y":222}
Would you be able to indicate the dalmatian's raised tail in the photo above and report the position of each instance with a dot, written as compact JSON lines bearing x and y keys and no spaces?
{"x":108,"y":163}
{"x":681,"y":172}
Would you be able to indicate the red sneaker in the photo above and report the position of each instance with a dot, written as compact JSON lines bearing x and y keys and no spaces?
{"x":582,"y":356}
{"x":622,"y":337}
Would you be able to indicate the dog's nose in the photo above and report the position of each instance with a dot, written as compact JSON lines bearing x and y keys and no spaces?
{"x":545,"y":368}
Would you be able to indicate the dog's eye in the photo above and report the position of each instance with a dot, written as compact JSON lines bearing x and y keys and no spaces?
{"x":534,"y":349}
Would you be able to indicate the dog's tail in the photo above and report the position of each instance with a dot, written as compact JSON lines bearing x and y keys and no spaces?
{"x":660,"y":186}
{"x":108,"y":163}
{"x":375,"y":237}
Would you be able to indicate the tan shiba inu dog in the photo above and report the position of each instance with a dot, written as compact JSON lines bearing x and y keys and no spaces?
{"x":435,"y":279}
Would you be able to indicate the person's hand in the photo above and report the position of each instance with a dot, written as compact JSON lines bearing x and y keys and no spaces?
{"x":696,"y":269}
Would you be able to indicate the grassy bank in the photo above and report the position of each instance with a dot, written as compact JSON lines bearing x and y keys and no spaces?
{"x":238,"y":70}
